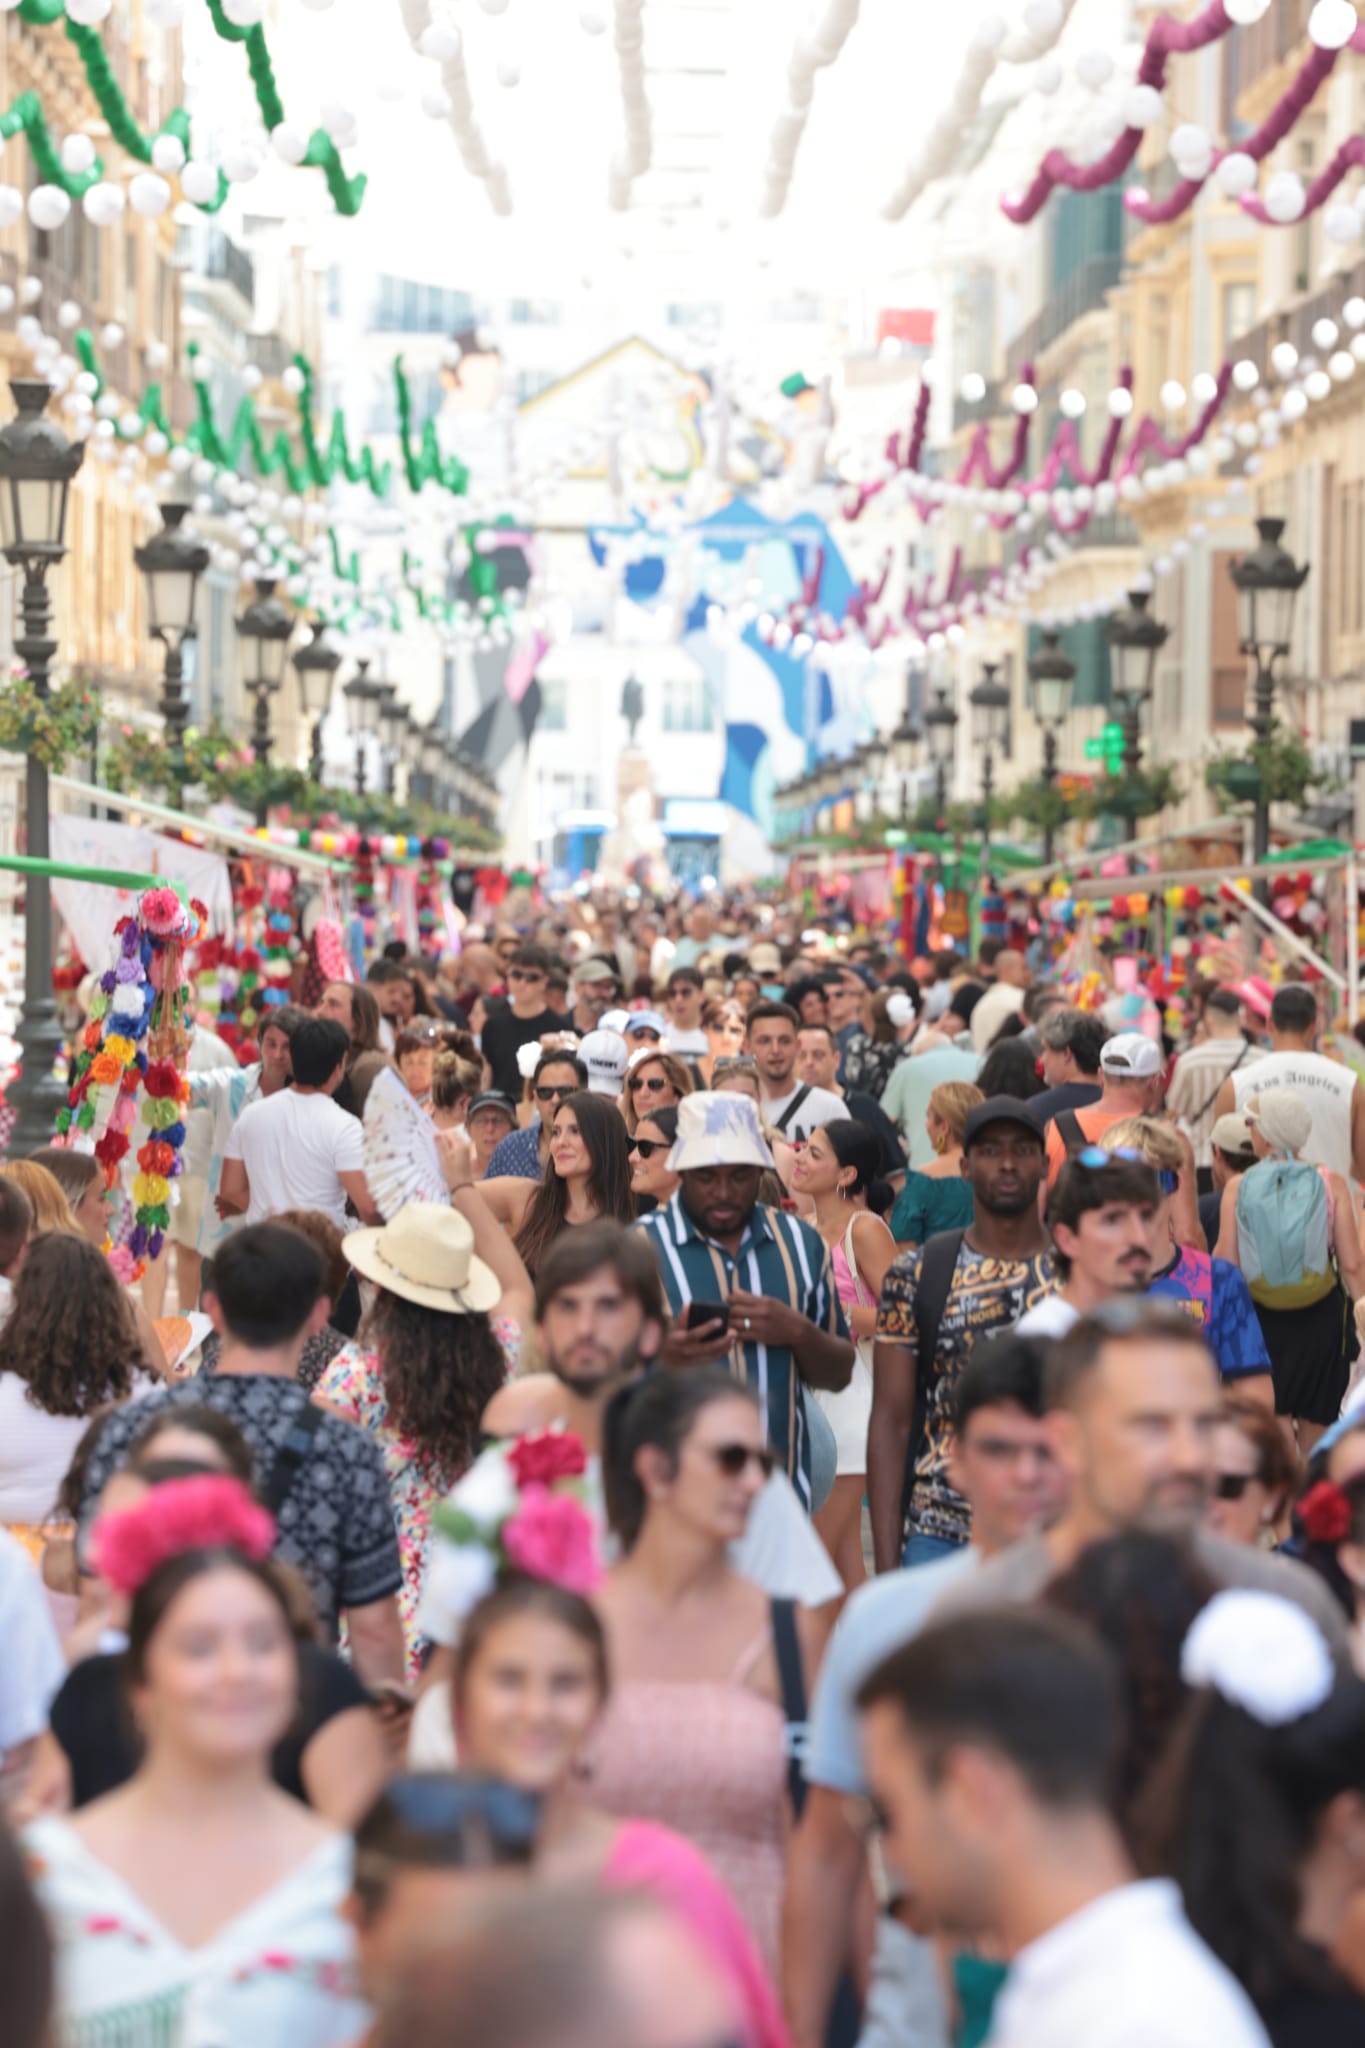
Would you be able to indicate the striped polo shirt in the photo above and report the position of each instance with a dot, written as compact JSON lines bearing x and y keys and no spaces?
{"x":778,"y":1256}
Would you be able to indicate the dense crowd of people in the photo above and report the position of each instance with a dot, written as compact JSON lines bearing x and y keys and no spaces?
{"x":712,"y":1486}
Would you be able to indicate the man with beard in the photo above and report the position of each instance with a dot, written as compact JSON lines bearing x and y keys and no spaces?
{"x":1103,"y":1214}
{"x":601,"y":1318}
{"x":937,"y":1300}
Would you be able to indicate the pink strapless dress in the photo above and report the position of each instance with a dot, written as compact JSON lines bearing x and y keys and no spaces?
{"x":709,"y":1761}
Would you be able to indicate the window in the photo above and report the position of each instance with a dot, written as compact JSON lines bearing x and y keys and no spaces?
{"x":687,"y":705}
{"x":533,"y":312}
{"x":1239,"y":311}
{"x":553,"y":707}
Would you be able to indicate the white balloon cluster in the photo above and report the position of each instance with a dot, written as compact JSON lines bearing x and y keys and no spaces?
{"x":812,"y":52}
{"x":629,"y":38}
{"x":1042,"y":25}
{"x":451,"y":100}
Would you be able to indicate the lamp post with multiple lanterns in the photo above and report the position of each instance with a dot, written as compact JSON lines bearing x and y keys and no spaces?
{"x":1135,"y":640}
{"x":316,"y":664}
{"x":990,"y":705}
{"x":266,"y":625}
{"x":1268,"y":581}
{"x":172,"y":562}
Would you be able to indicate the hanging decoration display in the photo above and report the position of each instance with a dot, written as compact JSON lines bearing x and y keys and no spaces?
{"x":452,"y":101}
{"x":137,"y":1042}
{"x":811,"y":53}
{"x":75,"y":172}
{"x":1332,"y":27}
{"x":991,"y":46}
{"x":628,"y":35}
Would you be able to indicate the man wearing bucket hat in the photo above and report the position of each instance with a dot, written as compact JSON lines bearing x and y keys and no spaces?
{"x":777,"y":1316}
{"x":1291,"y":1228}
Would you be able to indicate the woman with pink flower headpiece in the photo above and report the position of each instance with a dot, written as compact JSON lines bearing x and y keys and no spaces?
{"x":199,"y":1903}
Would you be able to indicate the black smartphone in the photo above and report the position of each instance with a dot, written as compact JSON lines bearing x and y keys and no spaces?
{"x":699,"y":1315}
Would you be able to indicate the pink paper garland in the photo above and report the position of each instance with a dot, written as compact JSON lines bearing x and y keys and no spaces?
{"x":1351,"y":153}
{"x":1165,"y":38}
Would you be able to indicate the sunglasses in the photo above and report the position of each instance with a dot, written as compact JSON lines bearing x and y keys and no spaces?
{"x":523,"y":974}
{"x":556,"y":1094}
{"x":655,"y":1083}
{"x":741,"y":1063}
{"x":1094,"y":1156}
{"x":647,"y":1147}
{"x":1232,"y":1485}
{"x":734,"y":1458}
{"x":645,"y":1031}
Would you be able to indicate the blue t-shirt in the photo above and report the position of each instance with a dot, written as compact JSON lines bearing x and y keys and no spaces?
{"x":1215,"y":1293}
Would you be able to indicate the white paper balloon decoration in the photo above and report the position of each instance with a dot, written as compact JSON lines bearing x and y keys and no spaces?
{"x":509,"y":73}
{"x":1242,"y":13}
{"x":1072,"y":403}
{"x":437,"y":104}
{"x":1317,"y":384}
{"x":1172,"y":395}
{"x":289,"y":142}
{"x":68,"y":314}
{"x":244,"y":13}
{"x":1284,"y":359}
{"x":1341,"y":223}
{"x":592,"y":21}
{"x":1353,"y":312}
{"x":1284,"y":197}
{"x":1245,"y":374}
{"x":164,"y":13}
{"x":48,"y":207}
{"x":493,"y":6}
{"x":78,"y":155}
{"x":199,"y":181}
{"x":1191,"y":150}
{"x":973,"y":387}
{"x":89,"y":13}
{"x":158,"y":357}
{"x":1024,"y":399}
{"x":103,"y":204}
{"x":1236,"y":173}
{"x":251,"y":377}
{"x":1094,"y":68}
{"x":1341,"y":364}
{"x":1331,"y":24}
{"x":1141,"y":106}
{"x":1120,"y":402}
{"x":168,"y":155}
{"x":1325,"y":334}
{"x":11,"y":205}
{"x":149,"y":194}
{"x":293,"y":379}
{"x":241,"y":165}
{"x":440,"y":40}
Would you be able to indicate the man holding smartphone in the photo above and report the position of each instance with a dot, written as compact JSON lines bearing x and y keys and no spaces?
{"x":763,"y":1276}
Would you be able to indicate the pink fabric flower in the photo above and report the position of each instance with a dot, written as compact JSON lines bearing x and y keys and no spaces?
{"x":540,"y":1460}
{"x":551,"y":1537}
{"x":162,"y":912}
{"x":184,"y":1514}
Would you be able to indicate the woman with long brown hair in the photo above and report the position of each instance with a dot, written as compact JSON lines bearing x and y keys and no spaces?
{"x":424,"y":1366}
{"x":69,"y":1346}
{"x":588,"y":1176}
{"x":654,"y":1080}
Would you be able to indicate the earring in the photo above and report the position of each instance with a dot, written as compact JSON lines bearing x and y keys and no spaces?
{"x":843,"y":1193}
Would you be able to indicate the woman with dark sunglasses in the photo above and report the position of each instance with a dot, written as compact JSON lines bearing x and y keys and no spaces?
{"x":1256,"y":1475}
{"x":654,"y":1080}
{"x":695,"y":1734}
{"x":651,"y":1182}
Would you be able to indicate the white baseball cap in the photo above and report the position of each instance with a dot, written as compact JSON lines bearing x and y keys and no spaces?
{"x":604,"y":1054}
{"x":1131,"y":1056}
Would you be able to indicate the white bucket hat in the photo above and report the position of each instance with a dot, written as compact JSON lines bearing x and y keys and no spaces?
{"x":1282,"y":1117}
{"x":426,"y":1254}
{"x":718,"y":1130}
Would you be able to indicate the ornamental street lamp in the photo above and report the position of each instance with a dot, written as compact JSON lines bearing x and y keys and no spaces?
{"x":266,"y":625}
{"x":1268,"y":581}
{"x":316,"y":664}
{"x":940,"y":730}
{"x":990,"y":703}
{"x":905,"y":745}
{"x":172,"y":562}
{"x":389,"y":722}
{"x":1052,"y":677}
{"x":363,"y":696}
{"x":37,"y":464}
{"x":1135,"y":640}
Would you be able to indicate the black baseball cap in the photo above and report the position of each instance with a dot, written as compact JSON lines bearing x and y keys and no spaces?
{"x":1001,"y":1109}
{"x":491,"y":1099}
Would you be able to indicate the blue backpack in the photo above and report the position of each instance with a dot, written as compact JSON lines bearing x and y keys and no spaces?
{"x":1284,"y":1233}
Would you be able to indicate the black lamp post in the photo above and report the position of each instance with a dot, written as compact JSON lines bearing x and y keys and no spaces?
{"x":363,"y":697}
{"x":990,"y":702}
{"x":266,"y":625}
{"x":392,"y":718}
{"x":316,"y":664}
{"x":172,"y":562}
{"x":940,"y":730}
{"x":905,"y":746}
{"x":1268,"y":580}
{"x":1052,"y":677}
{"x":37,"y":464}
{"x":1135,"y":640}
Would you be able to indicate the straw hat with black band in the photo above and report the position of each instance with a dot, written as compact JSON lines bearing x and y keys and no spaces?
{"x":425,"y":1254}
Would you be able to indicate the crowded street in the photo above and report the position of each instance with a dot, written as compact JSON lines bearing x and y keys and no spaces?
{"x":682,"y":1046}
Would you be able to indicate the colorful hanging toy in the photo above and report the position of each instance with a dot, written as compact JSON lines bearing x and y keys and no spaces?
{"x":138,"y":1038}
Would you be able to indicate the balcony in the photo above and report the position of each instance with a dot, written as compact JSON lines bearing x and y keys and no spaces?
{"x":229,"y":264}
{"x":1083,"y":292}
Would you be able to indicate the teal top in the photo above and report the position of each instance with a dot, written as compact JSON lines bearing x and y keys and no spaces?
{"x":978,"y":1985}
{"x":928,"y":1203}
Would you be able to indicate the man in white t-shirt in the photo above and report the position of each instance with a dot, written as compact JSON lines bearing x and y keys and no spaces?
{"x":1104,"y":1222}
{"x":791,"y":1107}
{"x":1332,"y":1091}
{"x":296,"y":1149}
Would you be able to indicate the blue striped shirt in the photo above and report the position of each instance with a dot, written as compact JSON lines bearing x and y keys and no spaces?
{"x":779,"y":1256}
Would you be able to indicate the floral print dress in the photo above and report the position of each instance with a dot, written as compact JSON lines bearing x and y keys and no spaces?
{"x":353,"y":1385}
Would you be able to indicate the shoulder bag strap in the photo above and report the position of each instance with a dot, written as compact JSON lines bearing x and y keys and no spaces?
{"x":1073,"y":1137}
{"x":787,"y":1650}
{"x":1205,"y":1107}
{"x":790,"y":1111}
{"x":291,"y":1456}
{"x":937,"y":1268}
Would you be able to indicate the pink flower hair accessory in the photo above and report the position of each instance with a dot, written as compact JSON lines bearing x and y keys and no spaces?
{"x":211,"y":1513}
{"x":552,"y":1537}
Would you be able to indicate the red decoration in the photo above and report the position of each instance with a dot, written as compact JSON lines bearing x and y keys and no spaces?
{"x":1325,"y":1513}
{"x":541,"y":1460}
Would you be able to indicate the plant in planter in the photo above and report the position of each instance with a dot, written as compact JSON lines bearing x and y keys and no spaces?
{"x":1141,"y":794}
{"x":1276,"y":769}
{"x":53,"y":727}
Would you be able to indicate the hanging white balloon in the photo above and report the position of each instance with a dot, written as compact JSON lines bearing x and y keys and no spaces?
{"x":89,"y":13}
{"x":149,"y":194}
{"x":509,"y":73}
{"x":440,"y":40}
{"x":1141,"y":106}
{"x":241,"y":165}
{"x":592,"y":21}
{"x":167,"y":14}
{"x":1243,"y":13}
{"x":1236,"y":173}
{"x":1285,"y":197}
{"x":11,"y":205}
{"x":68,"y":314}
{"x":48,"y":207}
{"x":1246,"y":375}
{"x":199,"y":181}
{"x":1173,"y":395}
{"x":973,"y":387}
{"x":244,"y":13}
{"x":1094,"y":68}
{"x":1331,"y":24}
{"x":289,"y":142}
{"x":158,"y":357}
{"x":1341,"y":223}
{"x":1284,"y":359}
{"x":78,"y":155}
{"x":168,"y":155}
{"x":1072,"y":403}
